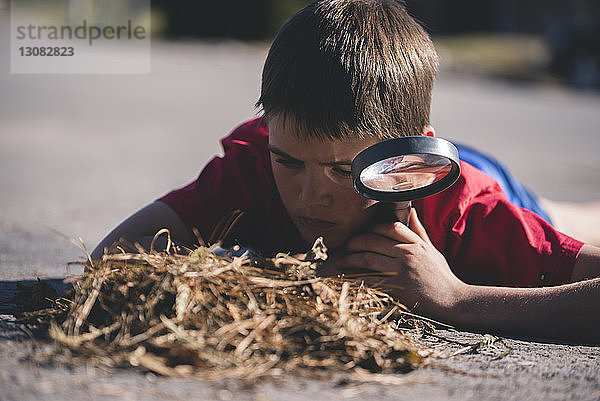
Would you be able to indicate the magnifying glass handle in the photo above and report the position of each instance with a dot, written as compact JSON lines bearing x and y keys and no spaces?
{"x":402,"y":211}
{"x":395,"y":211}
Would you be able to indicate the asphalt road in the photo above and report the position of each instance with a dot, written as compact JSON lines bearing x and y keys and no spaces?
{"x":78,"y":153}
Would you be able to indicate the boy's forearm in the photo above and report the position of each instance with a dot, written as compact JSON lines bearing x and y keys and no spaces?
{"x":568,"y":312}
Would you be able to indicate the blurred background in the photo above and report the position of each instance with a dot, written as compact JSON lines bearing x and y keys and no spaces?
{"x":81,"y":152}
{"x":515,"y":39}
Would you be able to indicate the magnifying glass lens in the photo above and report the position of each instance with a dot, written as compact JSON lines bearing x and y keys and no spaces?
{"x":405,"y":172}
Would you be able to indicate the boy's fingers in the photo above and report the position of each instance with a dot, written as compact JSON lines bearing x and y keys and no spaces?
{"x":366,"y":261}
{"x":400,"y":232}
{"x":396,"y":231}
{"x":379,"y":244}
{"x":371,"y":242}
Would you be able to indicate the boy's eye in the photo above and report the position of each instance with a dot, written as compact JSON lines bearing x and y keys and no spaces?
{"x":289,"y":163}
{"x":342,"y":172}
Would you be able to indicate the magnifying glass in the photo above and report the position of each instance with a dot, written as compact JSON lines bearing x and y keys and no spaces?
{"x":404,"y":169}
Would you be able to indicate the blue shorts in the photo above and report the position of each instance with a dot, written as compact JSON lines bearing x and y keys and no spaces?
{"x":515,"y":191}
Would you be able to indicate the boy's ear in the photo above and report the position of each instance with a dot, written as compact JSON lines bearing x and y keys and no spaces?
{"x":428,"y":131}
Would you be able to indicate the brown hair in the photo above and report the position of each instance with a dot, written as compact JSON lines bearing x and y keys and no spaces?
{"x":351,"y":68}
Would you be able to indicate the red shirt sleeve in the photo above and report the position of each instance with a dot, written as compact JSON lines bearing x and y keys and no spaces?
{"x":241,"y":179}
{"x":488,"y":240}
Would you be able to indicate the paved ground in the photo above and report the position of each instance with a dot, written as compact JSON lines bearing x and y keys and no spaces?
{"x":80,"y":153}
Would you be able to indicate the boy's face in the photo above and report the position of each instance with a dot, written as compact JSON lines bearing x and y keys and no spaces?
{"x":314,"y":182}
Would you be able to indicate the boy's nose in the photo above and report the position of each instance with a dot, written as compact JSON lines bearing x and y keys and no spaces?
{"x":314,"y":192}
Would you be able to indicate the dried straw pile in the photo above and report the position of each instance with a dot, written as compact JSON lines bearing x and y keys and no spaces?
{"x":216,"y":317}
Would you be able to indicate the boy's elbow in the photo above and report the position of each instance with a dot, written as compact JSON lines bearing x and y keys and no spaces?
{"x":141,"y":227}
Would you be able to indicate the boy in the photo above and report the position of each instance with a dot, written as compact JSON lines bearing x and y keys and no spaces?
{"x":339,"y":77}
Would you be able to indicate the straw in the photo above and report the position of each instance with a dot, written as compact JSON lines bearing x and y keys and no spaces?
{"x":213,"y":316}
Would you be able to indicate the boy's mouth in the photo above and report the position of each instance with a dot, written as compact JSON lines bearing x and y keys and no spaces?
{"x":316,"y":224}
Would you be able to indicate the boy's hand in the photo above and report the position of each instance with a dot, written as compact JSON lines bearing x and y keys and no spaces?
{"x":409,"y":267}
{"x":406,"y":263}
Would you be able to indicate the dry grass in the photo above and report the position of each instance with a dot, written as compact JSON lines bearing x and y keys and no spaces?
{"x":233,"y":317}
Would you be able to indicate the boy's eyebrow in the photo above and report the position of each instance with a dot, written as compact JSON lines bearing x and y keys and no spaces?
{"x":279,"y":152}
{"x":337,"y":163}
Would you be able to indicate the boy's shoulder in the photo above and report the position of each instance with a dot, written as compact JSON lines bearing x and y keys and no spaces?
{"x":473,"y":186}
{"x":247,"y":146}
{"x":253,"y":131}
{"x":473,"y":191}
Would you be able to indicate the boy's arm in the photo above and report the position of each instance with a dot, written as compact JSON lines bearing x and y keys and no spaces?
{"x":421,"y":278}
{"x":587,"y":265}
{"x":567,"y":312}
{"x":141,"y":227}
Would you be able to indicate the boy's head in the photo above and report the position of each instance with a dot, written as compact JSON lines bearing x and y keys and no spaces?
{"x":349,"y":69}
{"x":340,"y":76}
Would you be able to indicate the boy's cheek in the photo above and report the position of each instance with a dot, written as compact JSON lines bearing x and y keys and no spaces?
{"x":282,"y":181}
{"x":286,"y":189}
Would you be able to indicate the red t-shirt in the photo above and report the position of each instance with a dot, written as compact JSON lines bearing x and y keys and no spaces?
{"x":485,"y":238}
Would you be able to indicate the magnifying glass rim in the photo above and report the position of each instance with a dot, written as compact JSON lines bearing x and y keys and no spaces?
{"x":404,"y":146}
